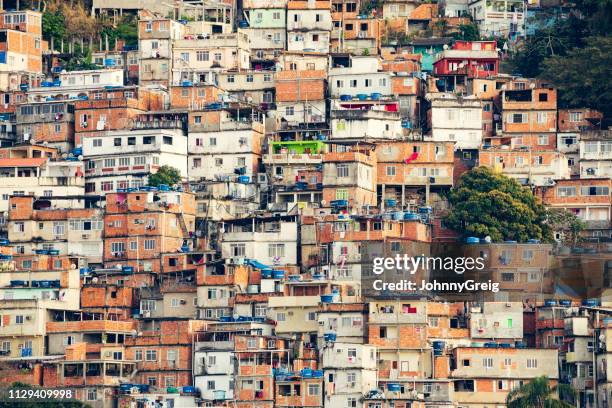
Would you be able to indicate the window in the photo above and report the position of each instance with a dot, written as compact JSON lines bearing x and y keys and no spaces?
{"x":151,"y":355}
{"x":18,"y":227}
{"x":566,"y":191}
{"x":167,"y":140}
{"x":218,"y":162}
{"x":218,"y":56}
{"x":575,"y":116}
{"x":107,"y":185}
{"x":313,"y":389}
{"x":148,"y":140}
{"x":543,"y":140}
{"x":507,"y":277}
{"x":149,"y":244}
{"x":124,"y":161}
{"x":342,"y":170}
{"x":311,"y":316}
{"x":267,"y":78}
{"x":237,"y":250}
{"x":97,"y":143}
{"x":249,"y":78}
{"x":185,"y":56}
{"x":212,"y":141}
{"x":541,"y":117}
{"x":543,"y":97}
{"x":171,"y":354}
{"x":149,"y":26}
{"x":210,"y":385}
{"x":528,"y":254}
{"x":202,"y":56}
{"x":59,"y":228}
{"x":19,"y":319}
{"x":594,"y":191}
{"x":487,"y":362}
{"x":517,"y":118}
{"x":289,"y":111}
{"x":92,"y":394}
{"x":280,"y":317}
{"x":532,"y":363}
{"x":117,"y":247}
{"x":276,"y":250}
{"x":139,"y":160}
{"x":390,"y":170}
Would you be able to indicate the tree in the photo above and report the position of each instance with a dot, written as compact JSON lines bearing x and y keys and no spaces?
{"x":582,"y":76}
{"x":165,"y":175}
{"x":486,"y":203}
{"x":539,"y":394}
{"x":566,"y":222}
{"x":468,"y":32}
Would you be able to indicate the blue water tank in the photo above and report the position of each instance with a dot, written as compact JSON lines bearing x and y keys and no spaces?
{"x":278,"y":274}
{"x":244,"y":179}
{"x":345,"y":97}
{"x":565,"y":302}
{"x":375,"y":96}
{"x":327,"y":298}
{"x":330,"y":336}
{"x":472,"y":240}
{"x":394,"y":387}
{"x":306,"y":372}
{"x":590,"y":302}
{"x":362,"y":97}
{"x":550,"y":302}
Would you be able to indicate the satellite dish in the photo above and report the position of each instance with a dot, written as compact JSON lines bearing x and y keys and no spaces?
{"x":532,"y":85}
{"x":134,"y":333}
{"x":249,"y":99}
{"x":94,"y":279}
{"x":64,"y":155}
{"x":323,"y":202}
{"x":445,"y":46}
{"x":32,"y":141}
{"x":80,"y":157}
{"x":72,"y":266}
{"x":118,"y":266}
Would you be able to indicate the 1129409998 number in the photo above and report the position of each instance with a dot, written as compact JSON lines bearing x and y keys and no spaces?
{"x":38,"y":393}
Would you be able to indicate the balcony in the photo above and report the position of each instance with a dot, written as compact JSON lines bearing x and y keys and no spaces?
{"x":290,"y":158}
{"x":112,"y":171}
{"x":160,"y":124}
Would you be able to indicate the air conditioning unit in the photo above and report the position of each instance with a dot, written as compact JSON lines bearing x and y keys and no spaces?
{"x":85,"y":236}
{"x":146,"y":313}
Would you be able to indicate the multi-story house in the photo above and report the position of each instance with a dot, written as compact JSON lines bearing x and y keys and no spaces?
{"x":266,"y":29}
{"x":360,"y":77}
{"x":484,"y":375}
{"x":197,"y":60}
{"x":499,"y":18}
{"x":269,"y":240}
{"x":142,"y":225}
{"x":22,"y":47}
{"x":156,"y":37}
{"x":588,"y":198}
{"x":466,"y":59}
{"x":30,"y":295}
{"x":349,"y":177}
{"x":51,"y":123}
{"x":596,"y":154}
{"x":114,"y":109}
{"x":309,"y":25}
{"x":39,"y":176}
{"x":300,"y":97}
{"x":43,"y":224}
{"x":250,"y":86}
{"x":456,"y":119}
{"x":349,"y":370}
{"x":405,"y":167}
{"x":570,"y":122}
{"x":224,"y":145}
{"x":122,"y":159}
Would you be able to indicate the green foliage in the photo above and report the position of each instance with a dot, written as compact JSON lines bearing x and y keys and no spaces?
{"x":126,"y":30}
{"x":566,"y":222}
{"x":582,"y":76}
{"x":468,"y":32}
{"x":5,"y":402}
{"x":80,"y":60}
{"x":486,"y":203}
{"x":165,"y":175}
{"x":53,"y":25}
{"x":539,"y":394}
